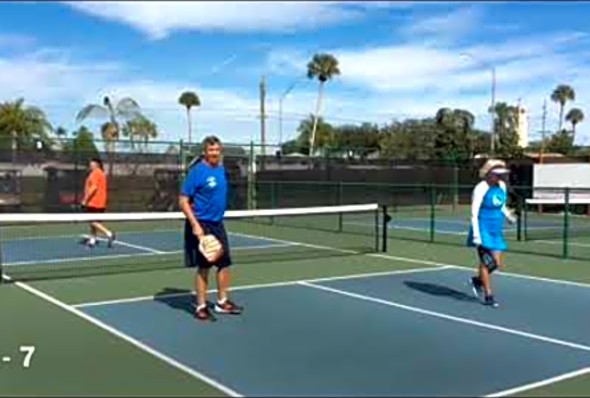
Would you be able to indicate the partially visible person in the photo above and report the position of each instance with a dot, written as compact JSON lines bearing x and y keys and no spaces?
{"x":95,"y":201}
{"x":203,"y":201}
{"x":486,"y":232}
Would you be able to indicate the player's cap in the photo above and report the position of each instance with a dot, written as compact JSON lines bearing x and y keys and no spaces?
{"x":493,"y":166}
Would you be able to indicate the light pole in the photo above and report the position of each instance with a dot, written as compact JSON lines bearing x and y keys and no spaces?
{"x":492,"y":102}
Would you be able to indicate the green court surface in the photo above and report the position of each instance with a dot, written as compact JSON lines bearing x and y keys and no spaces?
{"x":77,"y":355}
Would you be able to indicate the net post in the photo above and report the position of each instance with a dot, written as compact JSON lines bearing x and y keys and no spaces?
{"x":566,"y":226}
{"x":432,"y":211}
{"x":384,"y":228}
{"x":339,"y":194}
{"x":519,"y":210}
{"x":526,"y":215}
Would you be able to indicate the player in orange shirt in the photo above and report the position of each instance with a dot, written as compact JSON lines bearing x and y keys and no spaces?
{"x":95,"y":201}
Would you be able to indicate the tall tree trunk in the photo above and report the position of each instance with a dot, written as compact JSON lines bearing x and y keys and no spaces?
{"x":315,"y":119}
{"x":574,"y":131}
{"x":110,"y":157}
{"x":561,"y":106}
{"x":188,"y":118}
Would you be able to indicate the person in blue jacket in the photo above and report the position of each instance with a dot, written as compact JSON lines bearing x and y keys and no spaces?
{"x":486,"y":231}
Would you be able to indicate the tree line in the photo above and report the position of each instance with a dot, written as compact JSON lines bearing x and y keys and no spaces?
{"x":449,"y":134}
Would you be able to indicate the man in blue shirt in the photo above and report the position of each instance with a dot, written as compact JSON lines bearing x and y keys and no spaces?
{"x":203,"y":201}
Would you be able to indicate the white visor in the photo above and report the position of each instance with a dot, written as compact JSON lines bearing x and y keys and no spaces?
{"x":500,"y":171}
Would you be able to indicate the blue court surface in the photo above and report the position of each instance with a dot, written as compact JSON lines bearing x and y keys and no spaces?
{"x":61,"y":249}
{"x":414,"y":332}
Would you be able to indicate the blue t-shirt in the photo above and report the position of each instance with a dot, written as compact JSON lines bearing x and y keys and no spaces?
{"x":206,"y":186}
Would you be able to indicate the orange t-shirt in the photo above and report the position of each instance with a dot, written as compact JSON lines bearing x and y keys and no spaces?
{"x":97,"y":179}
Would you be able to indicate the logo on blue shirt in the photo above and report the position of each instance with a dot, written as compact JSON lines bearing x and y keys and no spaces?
{"x":497,"y":200}
{"x":211,"y":182}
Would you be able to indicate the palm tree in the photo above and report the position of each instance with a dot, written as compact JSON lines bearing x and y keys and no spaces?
{"x":575,"y":116}
{"x":188,"y":99}
{"x":61,"y":134}
{"x":126,"y":108}
{"x":141,"y":129}
{"x":562,"y":94}
{"x":324,"y":67}
{"x":21,"y":125}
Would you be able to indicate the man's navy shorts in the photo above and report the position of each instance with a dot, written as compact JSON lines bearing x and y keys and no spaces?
{"x":193,"y":256}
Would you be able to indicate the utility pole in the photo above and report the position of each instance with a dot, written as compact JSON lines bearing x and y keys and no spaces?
{"x":543,"y":131}
{"x":262,"y":119}
{"x":493,"y":112}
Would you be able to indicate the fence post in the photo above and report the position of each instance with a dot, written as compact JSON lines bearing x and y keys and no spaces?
{"x":526,"y":215}
{"x":455,"y":187}
{"x":432,"y":211}
{"x":566,"y":225}
{"x":250,"y":179}
{"x":384,"y":228}
{"x":519,"y":209}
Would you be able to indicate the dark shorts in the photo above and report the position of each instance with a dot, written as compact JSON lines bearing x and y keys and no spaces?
{"x":89,"y":209}
{"x":193,"y":257}
{"x":95,"y":210}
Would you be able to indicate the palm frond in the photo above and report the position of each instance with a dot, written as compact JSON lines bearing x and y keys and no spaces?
{"x":127,"y":108}
{"x":92,"y":111}
{"x":189,"y":99}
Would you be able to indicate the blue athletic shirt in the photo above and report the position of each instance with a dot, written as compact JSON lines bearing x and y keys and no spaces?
{"x":206,"y":186}
{"x":487,"y":216}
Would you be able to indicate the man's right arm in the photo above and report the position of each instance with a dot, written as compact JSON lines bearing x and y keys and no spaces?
{"x":185,"y":206}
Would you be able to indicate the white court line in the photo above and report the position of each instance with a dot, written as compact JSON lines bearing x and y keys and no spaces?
{"x":49,"y":237}
{"x":133,"y":246}
{"x":440,"y":315}
{"x":262,"y":286}
{"x":440,"y":266}
{"x":542,"y":383}
{"x":119,"y":256}
{"x":142,"y":346}
{"x":88,"y":258}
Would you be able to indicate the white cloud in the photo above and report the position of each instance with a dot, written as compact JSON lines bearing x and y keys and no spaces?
{"x":48,"y":75}
{"x":451,"y":24}
{"x":18,"y":41}
{"x":159,"y":19}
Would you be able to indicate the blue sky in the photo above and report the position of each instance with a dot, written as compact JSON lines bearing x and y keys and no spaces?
{"x":398,"y":60}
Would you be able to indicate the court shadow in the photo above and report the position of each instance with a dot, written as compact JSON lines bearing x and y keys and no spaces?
{"x":438,"y":290}
{"x":178,"y":299}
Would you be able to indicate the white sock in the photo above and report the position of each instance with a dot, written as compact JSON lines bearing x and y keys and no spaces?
{"x":109,"y":234}
{"x":221,"y":302}
{"x":92,"y":240}
{"x":200,"y":307}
